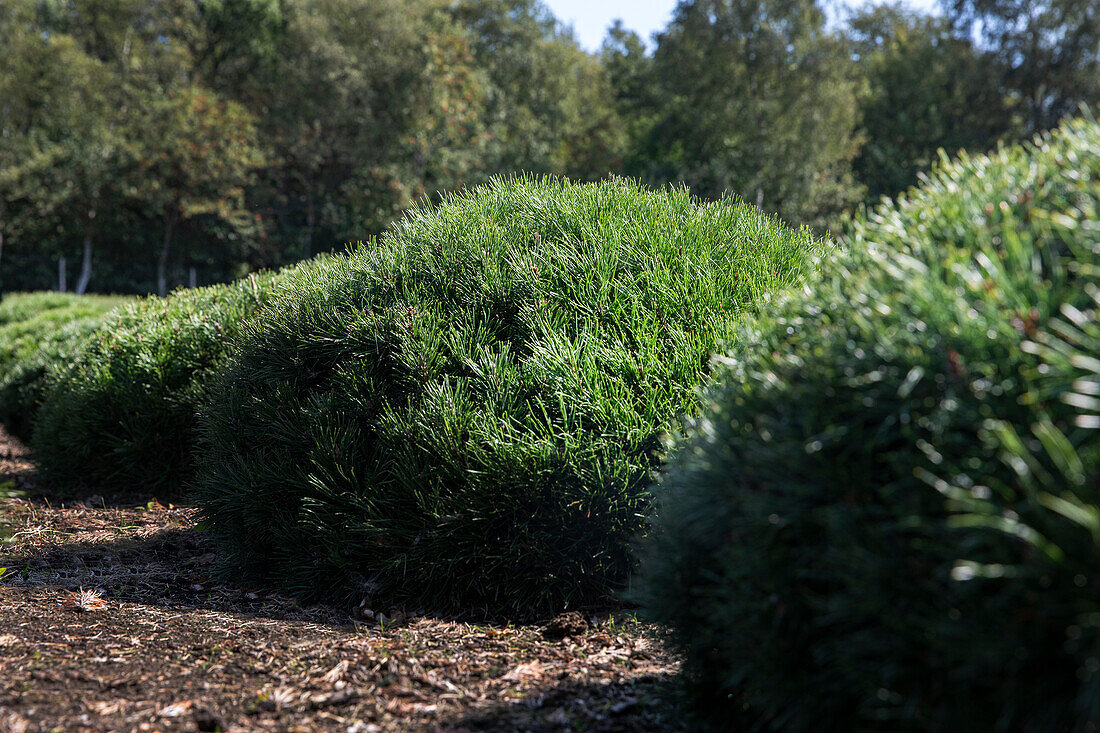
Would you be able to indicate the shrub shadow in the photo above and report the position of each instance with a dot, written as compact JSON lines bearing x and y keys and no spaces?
{"x":151,"y":555}
{"x":650,"y":703}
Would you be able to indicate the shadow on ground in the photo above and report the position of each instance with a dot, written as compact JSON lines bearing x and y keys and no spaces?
{"x":152,"y":555}
{"x":163,"y":646}
{"x":651,"y":703}
{"x":113,"y":620}
{"x":19,"y":474}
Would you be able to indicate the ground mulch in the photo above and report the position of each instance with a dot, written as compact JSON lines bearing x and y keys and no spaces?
{"x":111,"y":620}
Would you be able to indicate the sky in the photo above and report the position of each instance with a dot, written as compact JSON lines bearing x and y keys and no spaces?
{"x":591,"y":18}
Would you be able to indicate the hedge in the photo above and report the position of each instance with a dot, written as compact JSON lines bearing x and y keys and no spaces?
{"x":122,"y":414}
{"x":467,"y":414}
{"x":38,"y":330}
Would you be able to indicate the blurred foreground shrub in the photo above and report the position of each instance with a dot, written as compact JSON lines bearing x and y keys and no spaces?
{"x":888,"y":515}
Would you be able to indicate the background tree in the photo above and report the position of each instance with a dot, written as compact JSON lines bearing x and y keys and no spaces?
{"x":549,"y":104}
{"x":20,"y":102}
{"x":86,"y":159}
{"x":1048,"y":52}
{"x":368,"y":104}
{"x":231,"y":42}
{"x":629,"y":69}
{"x":926,"y":89}
{"x":758,"y":99}
{"x":445,"y":144}
{"x":65,"y":125}
{"x":195,"y":159}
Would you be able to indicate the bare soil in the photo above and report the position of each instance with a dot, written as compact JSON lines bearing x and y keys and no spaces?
{"x":110,"y":620}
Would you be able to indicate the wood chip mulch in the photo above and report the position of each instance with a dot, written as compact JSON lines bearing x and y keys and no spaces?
{"x":110,"y":620}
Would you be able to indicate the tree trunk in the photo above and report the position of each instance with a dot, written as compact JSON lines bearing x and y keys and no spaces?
{"x":85,"y":265}
{"x":162,"y":262}
{"x":1,"y":263}
{"x":307,"y":249}
{"x":61,"y":274}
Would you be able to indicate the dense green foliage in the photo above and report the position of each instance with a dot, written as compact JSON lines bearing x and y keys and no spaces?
{"x":151,"y":144}
{"x":466,"y":413}
{"x":848,"y":542}
{"x":123,"y":413}
{"x":38,"y":330}
{"x":770,"y":112}
{"x":926,"y":90}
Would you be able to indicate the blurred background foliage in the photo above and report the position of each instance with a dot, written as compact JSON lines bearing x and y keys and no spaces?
{"x":154,"y":143}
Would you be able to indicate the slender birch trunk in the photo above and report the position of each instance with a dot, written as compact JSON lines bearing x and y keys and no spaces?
{"x":162,"y":261}
{"x":85,"y":264}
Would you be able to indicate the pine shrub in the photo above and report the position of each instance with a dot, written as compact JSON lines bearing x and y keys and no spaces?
{"x":886,"y":517}
{"x":122,"y":414}
{"x":466,"y":414}
{"x":38,"y":330}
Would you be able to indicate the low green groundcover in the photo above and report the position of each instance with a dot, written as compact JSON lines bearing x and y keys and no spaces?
{"x":467,"y":413}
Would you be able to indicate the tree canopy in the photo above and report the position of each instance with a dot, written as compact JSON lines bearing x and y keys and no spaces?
{"x":160,"y":141}
{"x":756,"y":99}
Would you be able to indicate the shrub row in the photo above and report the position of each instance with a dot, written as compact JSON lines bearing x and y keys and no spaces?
{"x":123,"y":414}
{"x":887,"y":516}
{"x":468,"y":413}
{"x":38,"y":330}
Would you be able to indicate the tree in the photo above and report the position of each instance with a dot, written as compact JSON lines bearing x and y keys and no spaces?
{"x":368,"y":105}
{"x":17,"y":108}
{"x":755,"y":98}
{"x":549,"y":104}
{"x":65,"y":115}
{"x":629,"y":71}
{"x":194,"y":159}
{"x":357,"y":108}
{"x":446,"y":140}
{"x":1048,"y":52}
{"x":232,"y":41}
{"x":88,"y":160}
{"x":926,"y":89}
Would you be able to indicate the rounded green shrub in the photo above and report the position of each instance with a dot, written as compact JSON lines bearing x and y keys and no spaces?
{"x":38,"y":330}
{"x":122,"y":413}
{"x":466,"y":414}
{"x":855,"y":535}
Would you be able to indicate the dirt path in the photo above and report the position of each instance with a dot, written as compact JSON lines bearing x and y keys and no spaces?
{"x":154,"y":644}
